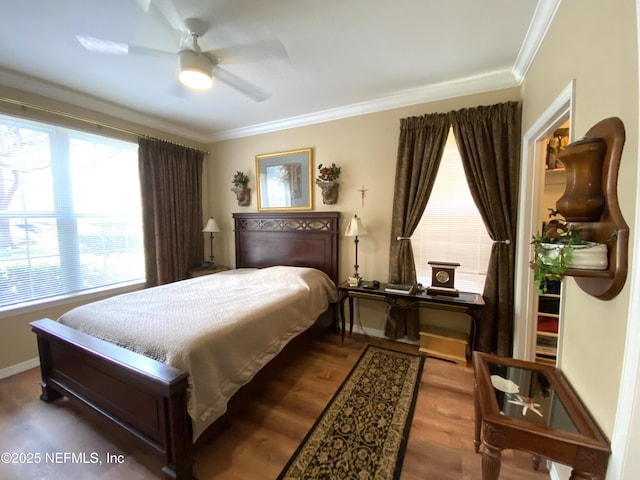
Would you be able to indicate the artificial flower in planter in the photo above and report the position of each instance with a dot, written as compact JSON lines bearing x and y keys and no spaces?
{"x":327,"y":180}
{"x":243,"y":193}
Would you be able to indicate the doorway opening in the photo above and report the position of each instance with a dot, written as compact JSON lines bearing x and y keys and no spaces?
{"x":547,"y":318}
{"x":532,"y":213}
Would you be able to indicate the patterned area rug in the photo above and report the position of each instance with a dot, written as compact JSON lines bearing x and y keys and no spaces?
{"x":362,"y":433}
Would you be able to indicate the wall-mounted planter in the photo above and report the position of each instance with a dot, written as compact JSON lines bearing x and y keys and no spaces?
{"x":583,"y":199}
{"x":329,"y":192}
{"x":592,"y":256}
{"x":590,"y":161}
{"x":243,"y":195}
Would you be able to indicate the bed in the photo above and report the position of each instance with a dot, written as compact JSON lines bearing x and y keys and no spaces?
{"x":153,"y":400}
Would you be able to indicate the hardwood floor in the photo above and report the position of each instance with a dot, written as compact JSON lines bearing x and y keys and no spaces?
{"x":261,"y":434}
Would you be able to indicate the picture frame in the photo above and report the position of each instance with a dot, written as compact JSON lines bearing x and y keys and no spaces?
{"x":284,"y":180}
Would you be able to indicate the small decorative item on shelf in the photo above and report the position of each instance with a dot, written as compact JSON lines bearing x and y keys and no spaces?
{"x":556,"y":144}
{"x":443,"y":279}
{"x":406,"y":288}
{"x":243,"y":193}
{"x":560,"y":247}
{"x":327,"y":180}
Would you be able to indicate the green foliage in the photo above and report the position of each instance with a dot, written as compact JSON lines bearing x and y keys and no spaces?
{"x":553,"y":249}
{"x":547,"y":266}
{"x":240,"y":180}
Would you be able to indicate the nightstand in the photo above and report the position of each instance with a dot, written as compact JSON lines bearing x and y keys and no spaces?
{"x":199,"y":271}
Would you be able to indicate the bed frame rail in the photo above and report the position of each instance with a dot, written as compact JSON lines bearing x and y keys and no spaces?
{"x":145,"y":397}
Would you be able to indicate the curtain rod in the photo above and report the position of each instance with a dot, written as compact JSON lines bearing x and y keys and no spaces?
{"x":26,"y":106}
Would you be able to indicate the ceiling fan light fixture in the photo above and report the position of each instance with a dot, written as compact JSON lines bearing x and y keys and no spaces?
{"x":195,"y":70}
{"x":195,"y":79}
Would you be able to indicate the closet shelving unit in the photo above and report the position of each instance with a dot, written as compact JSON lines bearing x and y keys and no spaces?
{"x":548,"y":322}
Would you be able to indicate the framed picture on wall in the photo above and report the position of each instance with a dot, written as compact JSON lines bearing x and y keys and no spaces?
{"x":284,"y":180}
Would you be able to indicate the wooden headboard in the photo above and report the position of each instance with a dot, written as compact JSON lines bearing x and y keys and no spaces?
{"x":300,"y":239}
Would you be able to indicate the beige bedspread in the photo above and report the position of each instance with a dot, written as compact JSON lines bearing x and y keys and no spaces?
{"x":221,"y":329}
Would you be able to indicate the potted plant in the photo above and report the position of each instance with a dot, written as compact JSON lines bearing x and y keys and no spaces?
{"x":243,"y":193}
{"x":327,"y":180}
{"x":560,"y":247}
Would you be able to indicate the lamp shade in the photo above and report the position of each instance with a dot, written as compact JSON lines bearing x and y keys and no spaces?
{"x":195,"y":70}
{"x":355,"y":228}
{"x":211,"y":226}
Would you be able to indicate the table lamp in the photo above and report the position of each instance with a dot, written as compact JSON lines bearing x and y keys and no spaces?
{"x":210,"y":228}
{"x":355,"y":229}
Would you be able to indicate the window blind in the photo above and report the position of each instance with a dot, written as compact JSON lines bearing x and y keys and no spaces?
{"x":451,"y":228}
{"x":70,"y":213}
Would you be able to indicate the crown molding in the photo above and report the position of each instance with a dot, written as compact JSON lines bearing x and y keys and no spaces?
{"x":540,"y":23}
{"x":428,"y":93}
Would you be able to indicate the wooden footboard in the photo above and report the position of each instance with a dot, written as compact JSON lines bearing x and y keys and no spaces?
{"x":145,"y":397}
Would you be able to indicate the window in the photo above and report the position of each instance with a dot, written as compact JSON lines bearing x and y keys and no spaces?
{"x":451,"y":229}
{"x":70,"y":213}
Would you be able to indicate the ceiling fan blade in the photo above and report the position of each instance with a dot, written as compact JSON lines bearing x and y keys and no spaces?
{"x":100,"y":45}
{"x":271,"y":49}
{"x":166,"y":11}
{"x":109,"y":47}
{"x":155,"y":52}
{"x":239,"y":84}
{"x":144,"y":4}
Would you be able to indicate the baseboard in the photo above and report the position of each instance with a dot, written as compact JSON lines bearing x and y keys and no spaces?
{"x":19,"y":368}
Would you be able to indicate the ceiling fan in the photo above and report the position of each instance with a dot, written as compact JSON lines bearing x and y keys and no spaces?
{"x":195,"y":67}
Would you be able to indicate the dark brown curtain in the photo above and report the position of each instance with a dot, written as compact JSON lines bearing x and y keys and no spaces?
{"x":488,"y":139}
{"x":171,"y":184}
{"x":420,"y":146}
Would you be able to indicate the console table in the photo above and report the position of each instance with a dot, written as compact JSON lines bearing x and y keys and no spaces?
{"x":465,"y":302}
{"x":530,"y":406}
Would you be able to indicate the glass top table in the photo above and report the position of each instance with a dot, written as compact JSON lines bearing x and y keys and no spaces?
{"x":528,"y":395}
{"x":532,"y":407}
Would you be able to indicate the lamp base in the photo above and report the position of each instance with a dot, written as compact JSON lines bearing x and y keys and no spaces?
{"x":355,"y":272}
{"x":353,"y":281}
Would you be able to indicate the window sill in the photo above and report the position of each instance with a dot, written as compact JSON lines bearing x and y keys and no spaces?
{"x":84,"y":297}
